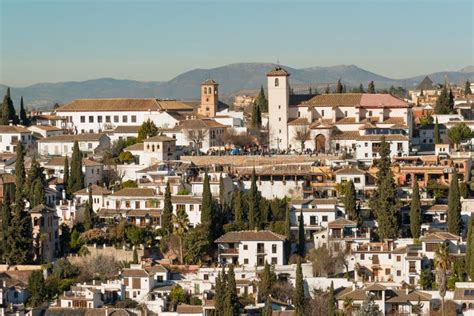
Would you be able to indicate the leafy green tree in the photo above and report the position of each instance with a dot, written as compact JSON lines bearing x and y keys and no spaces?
{"x":299,"y":296}
{"x":437,"y":136}
{"x":23,"y":117}
{"x":467,"y":88}
{"x":253,"y":204}
{"x":8,"y":114}
{"x":267,"y":310}
{"x":36,"y":289}
{"x":177,"y":296}
{"x":454,"y":206}
{"x":36,"y":172}
{"x":76,"y":177}
{"x":384,"y":202}
{"x":262,"y":101}
{"x":66,"y":177}
{"x":167,"y":215}
{"x":301,"y":236}
{"x":426,"y":279}
{"x":196,"y":244}
{"x":415,"y":212}
{"x":147,"y":130}
{"x":350,"y":202}
{"x":339,"y":86}
{"x":371,"y":87}
{"x":126,"y":157}
{"x":459,"y":133}
{"x":332,"y":301}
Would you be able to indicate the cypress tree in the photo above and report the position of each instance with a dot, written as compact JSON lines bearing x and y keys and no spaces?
{"x":239,"y":211}
{"x":415,"y":212}
{"x":222,"y":199}
{"x":89,"y":213}
{"x":470,"y":250}
{"x":37,"y":194}
{"x":20,"y":236}
{"x":331,"y":301}
{"x":8,"y":110}
{"x":467,"y":88}
{"x":442,"y":105}
{"x":254,"y":203}
{"x":339,"y":87}
{"x":350,"y":202}
{"x":66,"y":177}
{"x":206,"y":209}
{"x":437,"y":137}
{"x":167,"y":215}
{"x":261,"y":101}
{"x":37,"y":289}
{"x":20,"y":173}
{"x":76,"y":176}
{"x":384,"y":202}
{"x":6,"y":222}
{"x":266,"y":282}
{"x":371,"y":87}
{"x":301,"y":236}
{"x":287,"y":224}
{"x":23,"y":117}
{"x":220,"y":293}
{"x":232,"y":299}
{"x":454,"y":206}
{"x":299,"y":297}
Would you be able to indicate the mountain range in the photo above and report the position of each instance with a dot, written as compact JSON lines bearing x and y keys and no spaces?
{"x":233,"y":79}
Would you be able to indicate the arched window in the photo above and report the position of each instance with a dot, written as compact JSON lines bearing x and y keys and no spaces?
{"x":277,"y":82}
{"x":210,"y":90}
{"x":153,"y":148}
{"x":205,"y":90}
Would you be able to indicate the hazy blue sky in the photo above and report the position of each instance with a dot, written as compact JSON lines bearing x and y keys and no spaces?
{"x":50,"y":41}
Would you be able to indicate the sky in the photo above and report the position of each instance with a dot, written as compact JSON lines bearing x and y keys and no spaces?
{"x":71,"y":40}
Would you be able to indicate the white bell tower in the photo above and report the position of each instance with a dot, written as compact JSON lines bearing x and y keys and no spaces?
{"x":278,"y":102}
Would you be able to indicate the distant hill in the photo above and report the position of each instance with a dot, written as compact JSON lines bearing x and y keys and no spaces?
{"x":232,"y":78}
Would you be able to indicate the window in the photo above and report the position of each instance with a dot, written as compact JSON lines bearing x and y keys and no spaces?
{"x":246,"y":261}
{"x":399,"y":273}
{"x":345,"y":113}
{"x":116,"y":118}
{"x":89,"y":145}
{"x":134,"y":118}
{"x":83,"y":119}
{"x":366,"y":155}
{"x":322,"y":112}
{"x":124,"y":119}
{"x":274,"y":248}
{"x":210,"y":90}
{"x":91,"y":119}
{"x":107,"y":119}
{"x":99,"y":119}
{"x":277,"y":82}
{"x":362,"y":256}
{"x":206,"y":277}
{"x":399,"y":258}
{"x":387,"y":271}
{"x":279,"y":107}
{"x":325,"y":218}
{"x":366,"y":144}
{"x":137,"y":204}
{"x":246,"y":247}
{"x":279,"y":119}
{"x":205,"y":90}
{"x":274,"y":260}
{"x":356,"y":180}
{"x":370,"y":113}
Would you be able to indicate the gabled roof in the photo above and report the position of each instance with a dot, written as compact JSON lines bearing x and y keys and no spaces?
{"x":375,"y":287}
{"x":96,"y":190}
{"x":263,"y":235}
{"x":135,"y":192}
{"x":341,"y":222}
{"x":159,"y":138}
{"x":200,"y":124}
{"x":72,"y":138}
{"x":135,"y":273}
{"x":440,"y":236}
{"x":209,"y":82}
{"x":299,"y":121}
{"x":134,"y":147}
{"x":13,"y":129}
{"x":350,"y":171}
{"x":189,"y":309}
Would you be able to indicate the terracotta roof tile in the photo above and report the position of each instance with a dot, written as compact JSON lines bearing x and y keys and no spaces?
{"x":277,"y":71}
{"x":127,"y":129}
{"x":263,"y":235}
{"x":11,"y":129}
{"x":72,"y":138}
{"x":135,"y":192}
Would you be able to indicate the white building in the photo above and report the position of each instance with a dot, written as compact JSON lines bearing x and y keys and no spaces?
{"x":63,"y":145}
{"x":93,"y":170}
{"x":154,"y":150}
{"x":317,"y":213}
{"x":251,"y":248}
{"x":10,"y":136}
{"x":46,"y":130}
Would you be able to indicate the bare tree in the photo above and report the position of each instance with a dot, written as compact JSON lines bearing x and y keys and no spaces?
{"x":196,"y":136}
{"x":231,"y":137}
{"x":302,"y":134}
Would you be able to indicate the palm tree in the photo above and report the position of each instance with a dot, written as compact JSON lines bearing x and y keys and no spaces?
{"x":181,"y":225}
{"x":442,"y":263}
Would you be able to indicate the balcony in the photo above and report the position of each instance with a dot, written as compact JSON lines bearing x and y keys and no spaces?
{"x":229,"y":252}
